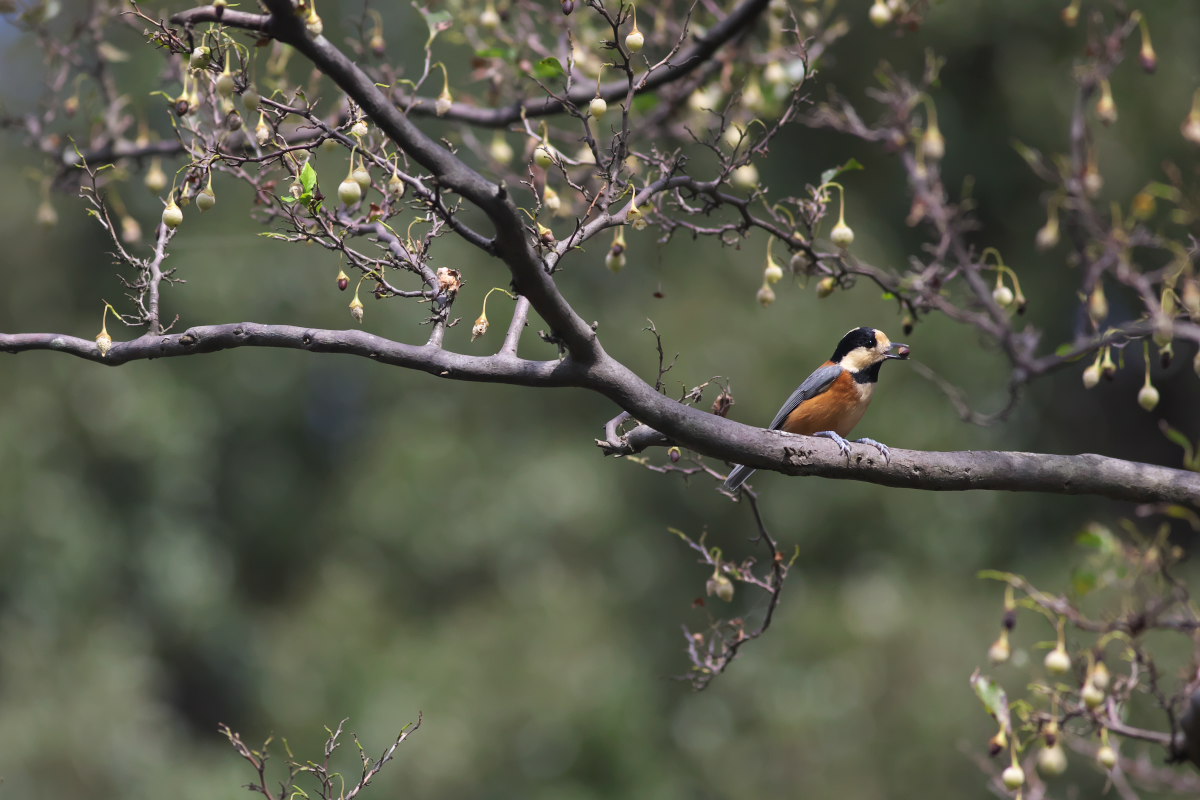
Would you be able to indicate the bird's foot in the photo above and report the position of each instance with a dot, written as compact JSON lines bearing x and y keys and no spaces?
{"x":842,"y":444}
{"x":880,"y":446}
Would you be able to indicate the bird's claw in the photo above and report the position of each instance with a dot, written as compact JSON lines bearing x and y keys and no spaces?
{"x":842,"y":444}
{"x":880,"y":446}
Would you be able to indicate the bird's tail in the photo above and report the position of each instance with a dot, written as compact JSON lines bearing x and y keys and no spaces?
{"x":737,"y":477}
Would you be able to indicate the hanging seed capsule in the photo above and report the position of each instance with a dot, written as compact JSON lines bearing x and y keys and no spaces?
{"x":206,"y":199}
{"x":156,"y":179}
{"x":444,"y":103}
{"x":131,"y":231}
{"x":1057,"y":661}
{"x":1003,"y":296}
{"x":1091,"y":376}
{"x":1052,"y":760}
{"x":543,"y":155}
{"x":251,"y":99}
{"x":1106,"y":757}
{"x":349,"y":191}
{"x":745,"y":177}
{"x":825,"y":286}
{"x":635,"y":41}
{"x":1148,"y":396}
{"x":395,"y":185}
{"x":360,"y":176}
{"x":1013,"y":777}
{"x":46,"y":215}
{"x":597,"y":107}
{"x":172,"y":215}
{"x":104,"y":342}
{"x":765,"y":296}
{"x":489,"y":18}
{"x":200,"y":58}
{"x":500,"y":149}
{"x":224,"y":84}
{"x":880,"y":14}
{"x":842,"y":235}
{"x":343,"y":280}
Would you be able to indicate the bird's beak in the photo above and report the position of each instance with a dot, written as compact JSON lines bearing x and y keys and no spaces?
{"x":902,"y":351}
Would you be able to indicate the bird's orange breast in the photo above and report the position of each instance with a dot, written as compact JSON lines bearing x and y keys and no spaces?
{"x":839,"y":408}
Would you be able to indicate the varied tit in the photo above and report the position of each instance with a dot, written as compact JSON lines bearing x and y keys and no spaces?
{"x":832,"y":400}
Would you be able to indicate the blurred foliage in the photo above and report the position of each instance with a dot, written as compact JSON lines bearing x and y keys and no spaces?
{"x":276,"y":540}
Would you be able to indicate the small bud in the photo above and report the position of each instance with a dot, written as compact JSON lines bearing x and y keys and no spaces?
{"x":597,"y":107}
{"x":489,"y":18}
{"x":395,"y":184}
{"x":1106,"y":756}
{"x":1052,"y":760}
{"x":615,"y":261}
{"x":172,"y":215}
{"x":773,"y":272}
{"x":1091,"y":376}
{"x":349,"y":191}
{"x":674,"y":453}
{"x":104,"y":342}
{"x":1106,"y":107}
{"x":880,"y":14}
{"x":1003,"y":296}
{"x":500,"y":150}
{"x":745,"y":177}
{"x":1100,"y":676}
{"x":1047,"y":235}
{"x":1070,"y":14}
{"x":825,"y":286}
{"x":1191,"y":123}
{"x":1148,"y":397}
{"x":343,"y":280}
{"x":1000,"y":651}
{"x":480,"y":327}
{"x":1098,"y":304}
{"x":156,"y":179}
{"x":1013,"y":777}
{"x":765,"y":296}
{"x":720,"y":586}
{"x":551,"y":199}
{"x":1147,"y":56}
{"x":444,"y":102}
{"x":46,"y":215}
{"x":131,"y":231}
{"x":1057,"y":662}
{"x":842,"y":235}
{"x":1093,"y":182}
{"x":315,"y":27}
{"x":635,"y":41}
{"x":206,"y":199}
{"x":933,"y":144}
{"x":1091,"y":695}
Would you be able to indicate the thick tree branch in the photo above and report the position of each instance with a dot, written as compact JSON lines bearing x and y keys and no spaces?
{"x":706,"y":433}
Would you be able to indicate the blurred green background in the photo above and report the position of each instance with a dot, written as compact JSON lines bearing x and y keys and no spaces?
{"x":277,"y":540}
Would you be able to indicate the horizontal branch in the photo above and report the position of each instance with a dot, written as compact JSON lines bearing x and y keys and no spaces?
{"x":213,"y":338}
{"x":714,"y":436}
{"x":706,"y":433}
{"x":957,"y":470}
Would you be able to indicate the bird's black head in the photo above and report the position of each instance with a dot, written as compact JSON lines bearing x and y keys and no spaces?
{"x":859,"y":337}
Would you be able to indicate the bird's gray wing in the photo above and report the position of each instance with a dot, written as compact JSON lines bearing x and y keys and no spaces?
{"x":813,"y":385}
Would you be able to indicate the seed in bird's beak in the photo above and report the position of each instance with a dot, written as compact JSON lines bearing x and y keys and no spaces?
{"x":902,"y":351}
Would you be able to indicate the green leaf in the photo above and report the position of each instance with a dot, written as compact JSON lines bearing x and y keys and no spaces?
{"x":1084,"y":581}
{"x":549,"y":69}
{"x":646,"y":101}
{"x":437,"y":21}
{"x":833,"y":172}
{"x":506,"y":53}
{"x":308,"y":177}
{"x":993,"y":697}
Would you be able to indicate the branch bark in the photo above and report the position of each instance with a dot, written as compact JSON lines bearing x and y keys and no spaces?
{"x":705,"y":433}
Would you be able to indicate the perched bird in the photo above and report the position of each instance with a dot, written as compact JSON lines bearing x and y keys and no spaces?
{"x":832,"y":400}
